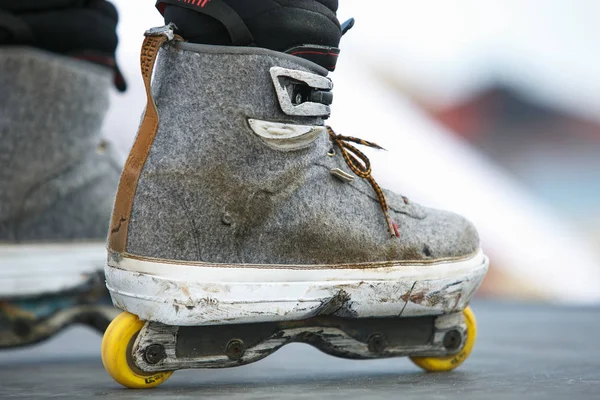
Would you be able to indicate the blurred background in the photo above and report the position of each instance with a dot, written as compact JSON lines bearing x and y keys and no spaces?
{"x":490,"y":109}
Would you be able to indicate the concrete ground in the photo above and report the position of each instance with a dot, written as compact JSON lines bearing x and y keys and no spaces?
{"x":522,"y":351}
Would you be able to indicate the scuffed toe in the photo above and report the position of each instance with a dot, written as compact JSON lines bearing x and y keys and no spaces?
{"x":437,"y":235}
{"x":448,"y":235}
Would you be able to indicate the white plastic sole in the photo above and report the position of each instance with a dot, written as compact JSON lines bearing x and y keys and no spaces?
{"x":36,"y":269}
{"x":191,"y":294}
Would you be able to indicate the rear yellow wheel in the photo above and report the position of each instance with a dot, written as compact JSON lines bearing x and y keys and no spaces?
{"x":440,"y":364}
{"x":117,"y":346}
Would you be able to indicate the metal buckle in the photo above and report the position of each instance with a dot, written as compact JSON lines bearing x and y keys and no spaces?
{"x":285,"y":79}
{"x":167,"y":30}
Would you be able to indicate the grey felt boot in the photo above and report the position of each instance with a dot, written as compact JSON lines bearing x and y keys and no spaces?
{"x":242,"y":190}
{"x":57,"y":183}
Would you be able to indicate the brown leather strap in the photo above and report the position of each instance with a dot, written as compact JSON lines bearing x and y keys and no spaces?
{"x":119,"y":225}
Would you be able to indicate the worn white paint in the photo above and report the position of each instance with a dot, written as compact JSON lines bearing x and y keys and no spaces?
{"x":36,"y":269}
{"x":211,"y":294}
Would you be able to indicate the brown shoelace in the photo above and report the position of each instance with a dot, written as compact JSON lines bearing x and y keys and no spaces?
{"x":361,"y":166}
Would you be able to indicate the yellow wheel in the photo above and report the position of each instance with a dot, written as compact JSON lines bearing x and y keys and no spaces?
{"x":440,"y":364}
{"x":117,"y":346}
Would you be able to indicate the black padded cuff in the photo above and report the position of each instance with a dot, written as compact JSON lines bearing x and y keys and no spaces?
{"x":238,"y":31}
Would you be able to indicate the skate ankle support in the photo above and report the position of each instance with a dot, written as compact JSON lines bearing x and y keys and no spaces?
{"x":155,"y":38}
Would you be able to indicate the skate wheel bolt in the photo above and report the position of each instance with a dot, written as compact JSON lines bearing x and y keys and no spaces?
{"x":235,"y":349}
{"x":155,"y":353}
{"x":377,"y":343}
{"x":452,"y":340}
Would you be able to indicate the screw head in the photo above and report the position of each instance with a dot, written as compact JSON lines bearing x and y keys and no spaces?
{"x":452,"y":340}
{"x":235,"y":349}
{"x":155,"y":353}
{"x":377,"y":343}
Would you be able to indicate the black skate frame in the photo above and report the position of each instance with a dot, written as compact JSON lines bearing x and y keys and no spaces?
{"x":160,"y":347}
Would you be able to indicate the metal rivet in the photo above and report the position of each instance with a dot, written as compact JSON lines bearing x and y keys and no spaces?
{"x":235,"y":349}
{"x":298,"y":99}
{"x":452,"y":340}
{"x":226,"y":219}
{"x":155,"y":353}
{"x":377,"y":343}
{"x":101,"y":147}
{"x":342,"y":175}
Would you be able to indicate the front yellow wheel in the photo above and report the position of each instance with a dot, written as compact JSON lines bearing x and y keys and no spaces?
{"x":441,"y":364}
{"x":117,"y":345}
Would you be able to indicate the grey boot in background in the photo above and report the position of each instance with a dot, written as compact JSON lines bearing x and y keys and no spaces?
{"x":243,"y":171}
{"x":57,"y":183}
{"x":57,"y":176}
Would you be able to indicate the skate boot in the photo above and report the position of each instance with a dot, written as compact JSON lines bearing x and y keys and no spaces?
{"x":243,"y":223}
{"x":57,"y":176}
